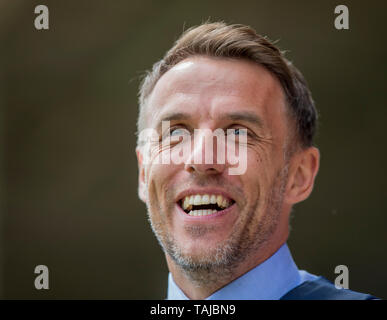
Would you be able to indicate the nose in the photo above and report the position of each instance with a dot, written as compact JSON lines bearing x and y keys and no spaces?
{"x":208,"y":154}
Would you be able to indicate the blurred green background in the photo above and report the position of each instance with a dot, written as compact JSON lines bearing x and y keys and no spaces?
{"x":68,"y":172}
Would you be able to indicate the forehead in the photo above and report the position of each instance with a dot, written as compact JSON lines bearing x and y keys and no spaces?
{"x":208,"y":86}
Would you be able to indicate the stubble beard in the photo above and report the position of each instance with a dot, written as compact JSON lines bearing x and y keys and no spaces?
{"x":217,"y":266}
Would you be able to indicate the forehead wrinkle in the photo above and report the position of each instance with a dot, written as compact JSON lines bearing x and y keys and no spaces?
{"x":201,"y":76}
{"x":198,"y":88}
{"x":182,"y":106}
{"x":194,"y":95}
{"x":184,"y":109}
{"x":169,"y":107}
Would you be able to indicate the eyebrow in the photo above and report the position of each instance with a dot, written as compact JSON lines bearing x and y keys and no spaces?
{"x":173,"y":116}
{"x":243,"y":116}
{"x":235,"y":116}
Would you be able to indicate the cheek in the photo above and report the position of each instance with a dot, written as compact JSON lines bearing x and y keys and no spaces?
{"x":261,"y":169}
{"x":259,"y":164}
{"x":155,"y":177}
{"x":159,"y":180}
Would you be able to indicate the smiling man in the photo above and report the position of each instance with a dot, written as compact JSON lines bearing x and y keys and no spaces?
{"x":224,"y":235}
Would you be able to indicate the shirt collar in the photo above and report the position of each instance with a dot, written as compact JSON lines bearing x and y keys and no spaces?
{"x":270,"y":280}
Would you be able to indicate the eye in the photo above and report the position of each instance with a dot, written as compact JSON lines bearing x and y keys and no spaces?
{"x":175,"y":131}
{"x":178,"y":131}
{"x":237,"y":131}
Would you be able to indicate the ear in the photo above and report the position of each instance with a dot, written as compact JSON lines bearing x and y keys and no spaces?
{"x":303,"y":170}
{"x":141,"y":176}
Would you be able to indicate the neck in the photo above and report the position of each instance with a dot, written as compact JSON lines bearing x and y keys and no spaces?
{"x":199,"y":291}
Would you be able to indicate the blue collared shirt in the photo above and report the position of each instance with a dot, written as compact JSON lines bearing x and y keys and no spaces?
{"x":270,"y":280}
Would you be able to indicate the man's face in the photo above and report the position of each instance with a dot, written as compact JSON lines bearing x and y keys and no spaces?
{"x":208,"y":93}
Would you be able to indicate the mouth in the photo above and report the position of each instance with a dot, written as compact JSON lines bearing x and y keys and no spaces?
{"x":204,"y":204}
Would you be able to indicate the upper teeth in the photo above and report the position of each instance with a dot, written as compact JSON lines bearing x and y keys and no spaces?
{"x":197,"y":199}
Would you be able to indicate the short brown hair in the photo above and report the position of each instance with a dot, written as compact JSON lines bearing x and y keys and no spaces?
{"x":241,"y":42}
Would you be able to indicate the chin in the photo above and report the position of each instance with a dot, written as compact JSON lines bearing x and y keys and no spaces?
{"x":202,"y":250}
{"x":201,"y":258}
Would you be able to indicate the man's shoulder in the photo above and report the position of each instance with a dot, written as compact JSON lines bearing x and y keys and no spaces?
{"x":323,"y":289}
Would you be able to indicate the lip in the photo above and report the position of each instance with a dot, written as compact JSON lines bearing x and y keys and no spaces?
{"x":202,"y":191}
{"x":219,"y":214}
